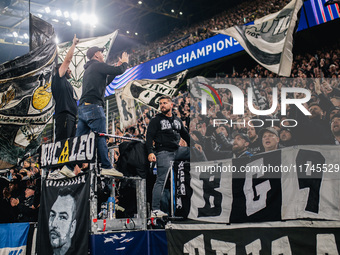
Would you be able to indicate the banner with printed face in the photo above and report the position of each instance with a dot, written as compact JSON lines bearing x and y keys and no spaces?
{"x":288,"y":238}
{"x":149,"y":91}
{"x":63,"y":224}
{"x":300,"y":182}
{"x":79,"y":149}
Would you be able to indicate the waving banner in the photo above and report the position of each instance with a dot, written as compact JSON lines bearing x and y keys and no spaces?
{"x":25,"y":101}
{"x":270,"y":40}
{"x":127,"y":110}
{"x":79,"y":56}
{"x":149,"y":91}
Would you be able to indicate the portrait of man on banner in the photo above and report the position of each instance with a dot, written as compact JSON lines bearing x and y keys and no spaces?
{"x":62,"y":222}
{"x":62,"y":226}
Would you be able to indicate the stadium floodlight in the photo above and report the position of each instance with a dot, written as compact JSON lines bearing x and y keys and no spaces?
{"x":68,"y":23}
{"x":47,"y":9}
{"x":84,"y":18}
{"x":15,"y":34}
{"x":25,"y":35}
{"x":180,"y":13}
{"x":172,"y":10}
{"x":93,"y":19}
{"x":58,"y":12}
{"x":55,"y":20}
{"x":136,"y":33}
{"x":128,"y":32}
{"x":74,"y":16}
{"x":140,"y":2}
{"x":66,"y":14}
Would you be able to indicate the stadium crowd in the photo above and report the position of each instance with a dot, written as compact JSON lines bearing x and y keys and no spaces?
{"x":179,"y":38}
{"x":20,"y":200}
{"x":317,"y":71}
{"x":20,"y":197}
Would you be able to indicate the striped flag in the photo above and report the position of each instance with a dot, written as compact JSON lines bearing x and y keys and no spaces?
{"x":270,"y":40}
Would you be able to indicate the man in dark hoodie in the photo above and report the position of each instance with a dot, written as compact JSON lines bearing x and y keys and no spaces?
{"x":165,"y":129}
{"x":91,"y":106}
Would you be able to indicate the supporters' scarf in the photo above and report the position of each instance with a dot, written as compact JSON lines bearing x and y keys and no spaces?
{"x":270,"y":40}
{"x":149,"y":91}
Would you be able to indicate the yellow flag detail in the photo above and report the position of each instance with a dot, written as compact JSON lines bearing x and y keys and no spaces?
{"x":63,"y":158}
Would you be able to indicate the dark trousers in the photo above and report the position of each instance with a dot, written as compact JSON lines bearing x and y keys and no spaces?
{"x":164,"y":159}
{"x":65,"y":126}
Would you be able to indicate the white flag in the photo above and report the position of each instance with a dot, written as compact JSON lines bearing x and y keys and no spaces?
{"x":270,"y":40}
{"x":79,"y":56}
{"x":127,"y":110}
{"x":149,"y":91}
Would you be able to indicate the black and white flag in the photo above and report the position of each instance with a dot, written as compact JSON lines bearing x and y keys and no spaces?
{"x":127,"y":110}
{"x":270,"y":40}
{"x":149,"y":91}
{"x":26,"y":103}
{"x":40,"y":32}
{"x":63,"y":224}
{"x":79,"y":56}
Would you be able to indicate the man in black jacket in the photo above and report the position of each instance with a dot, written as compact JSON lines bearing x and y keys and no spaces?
{"x":240,"y":145}
{"x":65,"y":102}
{"x":166,"y":130}
{"x":65,"y":98}
{"x":91,"y":106}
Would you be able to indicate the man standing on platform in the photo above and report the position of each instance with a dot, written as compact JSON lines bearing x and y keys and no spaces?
{"x":166,"y":130}
{"x":65,"y":98}
{"x":91,"y":105}
{"x":65,"y":103}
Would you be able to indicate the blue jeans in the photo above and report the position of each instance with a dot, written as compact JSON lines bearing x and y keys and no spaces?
{"x":164,"y":159}
{"x":92,"y":118}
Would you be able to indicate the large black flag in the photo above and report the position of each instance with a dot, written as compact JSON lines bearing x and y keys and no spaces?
{"x":40,"y":32}
{"x":63,"y":224}
{"x":26,"y":103}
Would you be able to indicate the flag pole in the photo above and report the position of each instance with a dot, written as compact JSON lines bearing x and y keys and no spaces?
{"x":29,"y":26}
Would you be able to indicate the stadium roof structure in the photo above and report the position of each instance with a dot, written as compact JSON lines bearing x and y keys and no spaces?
{"x":140,"y":20}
